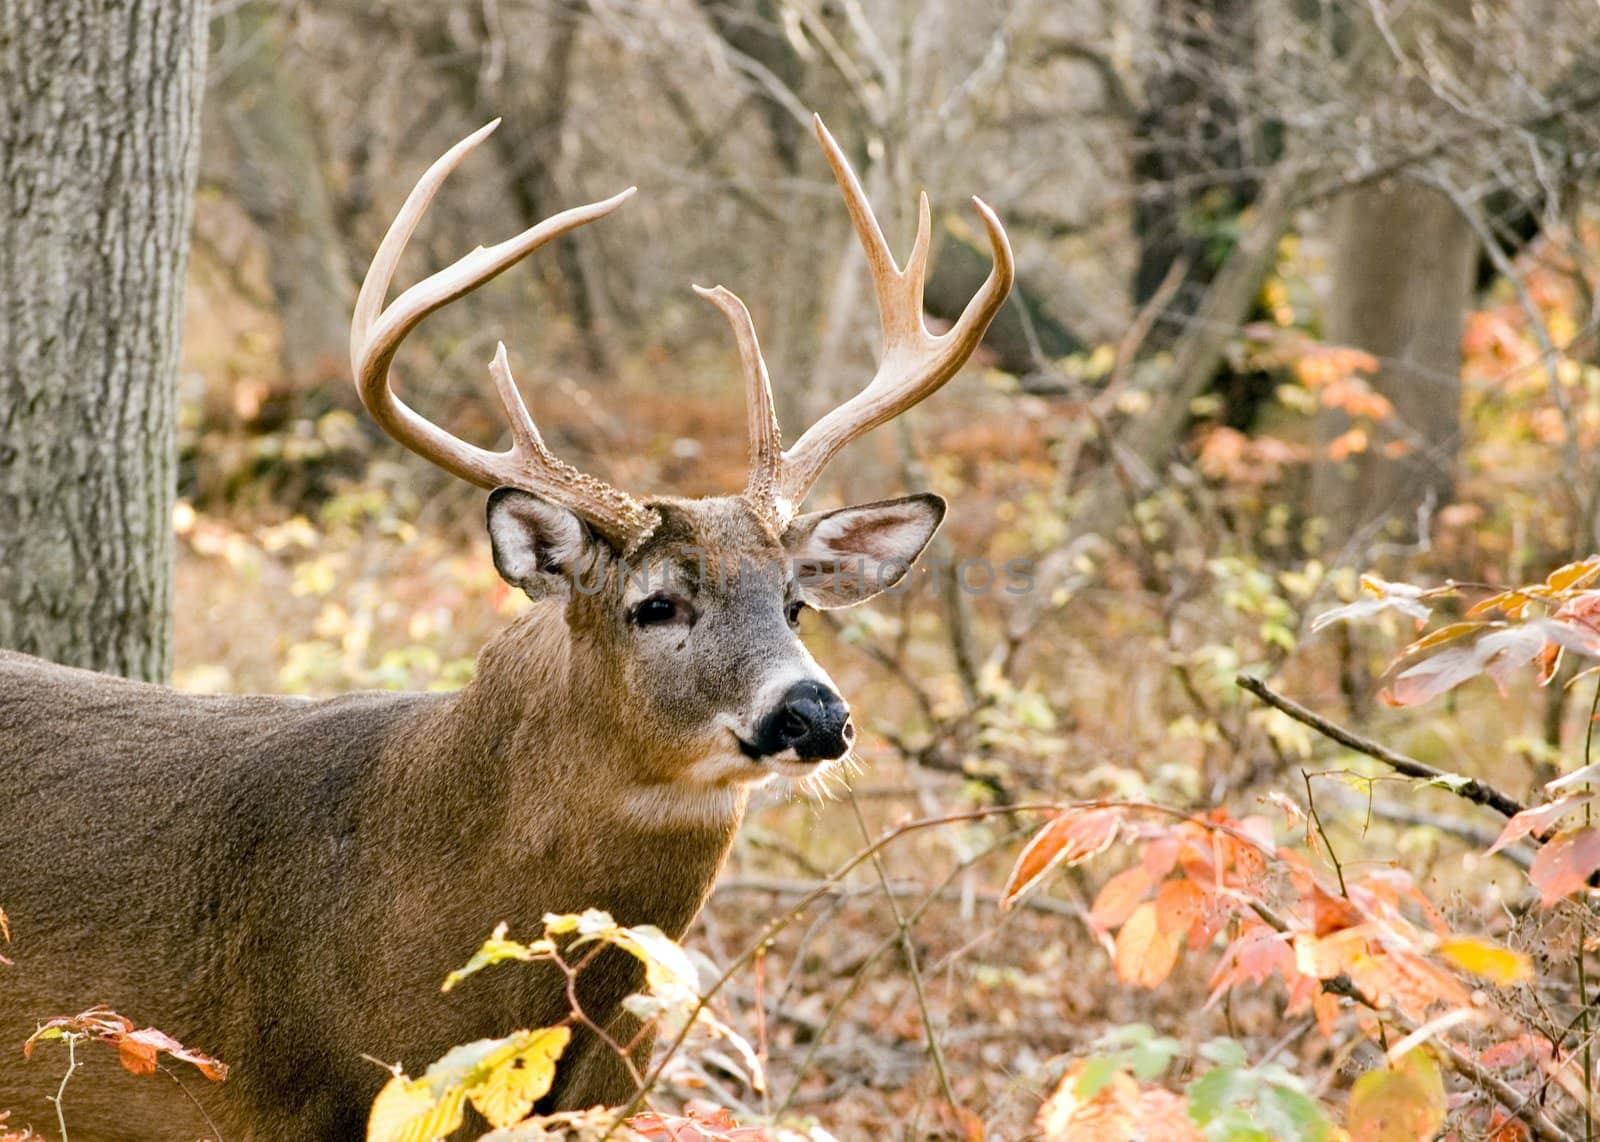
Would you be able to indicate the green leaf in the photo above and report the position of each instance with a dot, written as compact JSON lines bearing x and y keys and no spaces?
{"x":1214,"y":1092}
{"x":1098,"y":1071}
{"x":1289,"y":1113}
{"x":1224,"y":1052}
{"x":1150,"y":1058}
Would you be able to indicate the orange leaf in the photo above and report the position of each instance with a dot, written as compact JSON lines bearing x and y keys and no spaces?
{"x":1145,"y":955}
{"x":1328,"y":956}
{"x":1513,"y":604}
{"x":1574,"y":574}
{"x":1119,"y":897}
{"x":1331,"y":914}
{"x":1347,"y":444}
{"x":1070,"y":837}
{"x":1179,"y":905}
{"x":1119,"y":1109}
{"x":1441,"y":636}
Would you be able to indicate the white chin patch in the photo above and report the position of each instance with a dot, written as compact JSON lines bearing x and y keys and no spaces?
{"x":733,"y":766}
{"x":788,"y":764}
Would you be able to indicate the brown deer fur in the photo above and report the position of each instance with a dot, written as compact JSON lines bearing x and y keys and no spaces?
{"x":283,"y":883}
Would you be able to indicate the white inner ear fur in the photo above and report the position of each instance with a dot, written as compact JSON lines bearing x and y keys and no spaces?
{"x":531,"y":537}
{"x":879,"y":534}
{"x":849,"y":555}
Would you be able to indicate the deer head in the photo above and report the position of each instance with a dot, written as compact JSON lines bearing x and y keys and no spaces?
{"x":681,"y":613}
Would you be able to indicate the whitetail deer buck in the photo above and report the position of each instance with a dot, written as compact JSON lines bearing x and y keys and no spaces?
{"x":284,"y":883}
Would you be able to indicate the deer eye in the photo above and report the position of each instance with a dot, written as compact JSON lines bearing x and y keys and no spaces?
{"x":658,"y":610}
{"x":793,"y":612}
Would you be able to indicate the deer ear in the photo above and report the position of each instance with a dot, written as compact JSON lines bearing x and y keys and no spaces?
{"x":537,"y":544}
{"x":846,"y":556}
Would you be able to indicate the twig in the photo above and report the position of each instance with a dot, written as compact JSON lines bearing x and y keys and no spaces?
{"x":819,"y":1032}
{"x":910,"y":951}
{"x":190,"y":1095}
{"x":791,"y":915}
{"x":61,"y":1091}
{"x":1468,"y":788}
{"x":1316,"y":819}
{"x":900,"y":889}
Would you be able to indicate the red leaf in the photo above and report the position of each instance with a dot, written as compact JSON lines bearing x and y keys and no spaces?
{"x":1537,"y":819}
{"x":137,"y":1049}
{"x":1517,"y":1051}
{"x":702,"y":1123}
{"x":16,"y":1133}
{"x":1160,"y":856}
{"x":1433,"y":676}
{"x":1251,"y":958}
{"x":1563,"y":865}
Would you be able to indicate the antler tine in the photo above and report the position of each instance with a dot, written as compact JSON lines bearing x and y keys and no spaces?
{"x":914,"y":363}
{"x":376,"y":333}
{"x":766,"y":437}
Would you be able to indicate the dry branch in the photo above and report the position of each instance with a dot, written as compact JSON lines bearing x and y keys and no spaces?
{"x":1467,"y":788}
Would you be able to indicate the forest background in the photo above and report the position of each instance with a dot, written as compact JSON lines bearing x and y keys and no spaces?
{"x":1306,"y":290}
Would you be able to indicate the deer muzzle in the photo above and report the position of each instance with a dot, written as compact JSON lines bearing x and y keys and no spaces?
{"x":810,"y":720}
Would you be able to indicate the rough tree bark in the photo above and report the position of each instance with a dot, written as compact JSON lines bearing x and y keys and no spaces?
{"x":1401,"y":268}
{"x":99,"y":117}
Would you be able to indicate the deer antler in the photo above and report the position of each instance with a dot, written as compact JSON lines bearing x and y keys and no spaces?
{"x":376,"y":333}
{"x":913,"y":363}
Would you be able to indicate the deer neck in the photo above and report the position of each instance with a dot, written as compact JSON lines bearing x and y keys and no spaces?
{"x":522,"y":780}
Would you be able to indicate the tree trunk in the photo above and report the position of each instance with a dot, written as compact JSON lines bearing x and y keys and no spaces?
{"x":1142,"y":445}
{"x":1401,"y":267}
{"x":99,"y":126}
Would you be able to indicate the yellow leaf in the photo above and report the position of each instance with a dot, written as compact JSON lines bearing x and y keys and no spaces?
{"x":507,"y":1093}
{"x":1491,"y":961}
{"x":1399,"y":1104}
{"x":497,"y":949}
{"x":1573,"y":575}
{"x":1144,"y":953}
{"x":1439,"y":637}
{"x":406,"y":1111}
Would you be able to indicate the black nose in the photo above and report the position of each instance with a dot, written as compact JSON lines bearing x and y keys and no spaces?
{"x":809,"y":719}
